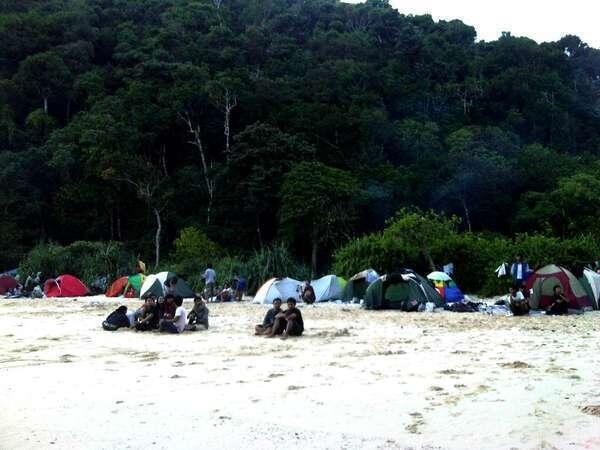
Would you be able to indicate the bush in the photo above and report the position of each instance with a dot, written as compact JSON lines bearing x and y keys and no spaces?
{"x":272,"y":261}
{"x":84,"y":259}
{"x":193,"y":251}
{"x":475,"y":255}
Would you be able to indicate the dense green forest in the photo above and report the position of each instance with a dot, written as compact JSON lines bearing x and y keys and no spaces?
{"x":253,"y":122}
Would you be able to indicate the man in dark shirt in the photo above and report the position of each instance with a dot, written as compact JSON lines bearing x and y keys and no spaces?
{"x":289,"y":322}
{"x":269,"y":320}
{"x":560,"y":304}
{"x":150,"y":316}
{"x":308,"y":293}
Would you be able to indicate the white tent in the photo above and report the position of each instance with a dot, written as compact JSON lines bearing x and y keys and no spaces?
{"x":594,"y":279}
{"x":282,"y":288}
{"x":327,"y":288}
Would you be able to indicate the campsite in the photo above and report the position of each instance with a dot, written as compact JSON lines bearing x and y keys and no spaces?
{"x":324,"y":224}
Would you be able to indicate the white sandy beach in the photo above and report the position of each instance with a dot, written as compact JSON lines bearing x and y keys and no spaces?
{"x":356,"y":380}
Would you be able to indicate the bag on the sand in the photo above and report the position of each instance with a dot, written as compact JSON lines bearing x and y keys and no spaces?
{"x":117,"y":319}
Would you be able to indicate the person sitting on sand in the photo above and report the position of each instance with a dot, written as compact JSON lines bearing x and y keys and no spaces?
{"x":176,"y":324}
{"x":226,"y":294}
{"x":517,"y":303}
{"x":117,"y":319}
{"x":288,"y":322}
{"x":168,"y":307}
{"x":308,"y":293}
{"x":150,"y":316}
{"x":267,"y":324}
{"x":560,"y":304}
{"x":198,"y":316}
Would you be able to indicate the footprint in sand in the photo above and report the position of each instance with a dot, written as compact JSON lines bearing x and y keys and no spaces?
{"x":593,"y":410}
{"x":516,"y":365}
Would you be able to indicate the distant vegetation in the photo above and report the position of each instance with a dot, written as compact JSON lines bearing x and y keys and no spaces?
{"x":289,"y":125}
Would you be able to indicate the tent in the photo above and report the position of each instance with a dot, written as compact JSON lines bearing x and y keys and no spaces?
{"x":7,"y":282}
{"x":128,"y":287}
{"x":135,"y":283}
{"x":542,"y":283}
{"x":117,"y":288}
{"x":328,"y":288}
{"x":358,"y":284}
{"x":155,"y":285}
{"x":65,"y":286}
{"x":405,"y":291}
{"x":446,"y":286}
{"x":282,"y":288}
{"x":591,"y":283}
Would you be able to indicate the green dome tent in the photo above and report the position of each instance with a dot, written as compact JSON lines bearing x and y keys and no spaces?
{"x":357,"y":285}
{"x":155,"y":285}
{"x":404,"y":291}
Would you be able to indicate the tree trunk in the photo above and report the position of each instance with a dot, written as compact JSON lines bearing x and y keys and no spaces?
{"x":467,"y":214}
{"x":157,"y":238}
{"x":429,"y":260}
{"x":46,"y":105}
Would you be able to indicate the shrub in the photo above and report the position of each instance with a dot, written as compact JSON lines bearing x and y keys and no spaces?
{"x":84,"y":259}
{"x":193,"y":251}
{"x":271,"y":261}
{"x":475,"y":255}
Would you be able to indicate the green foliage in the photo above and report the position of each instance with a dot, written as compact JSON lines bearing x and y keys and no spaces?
{"x":271,"y":261}
{"x":86,"y":260}
{"x":370,"y":109}
{"x":475,"y":255}
{"x":193,"y":251}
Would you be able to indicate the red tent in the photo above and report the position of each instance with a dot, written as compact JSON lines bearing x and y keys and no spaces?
{"x":7,"y":282}
{"x":117,"y":287}
{"x":543,"y":281}
{"x":65,"y":286}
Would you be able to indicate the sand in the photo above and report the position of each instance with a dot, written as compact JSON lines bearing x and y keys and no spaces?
{"x":356,"y":380}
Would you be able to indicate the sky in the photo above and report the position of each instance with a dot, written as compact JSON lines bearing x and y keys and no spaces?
{"x":540,"y":20}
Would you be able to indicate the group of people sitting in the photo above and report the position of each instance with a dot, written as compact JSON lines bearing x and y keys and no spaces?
{"x":169,"y":315}
{"x":165,"y":314}
{"x":279,"y":322}
{"x":518,"y":301}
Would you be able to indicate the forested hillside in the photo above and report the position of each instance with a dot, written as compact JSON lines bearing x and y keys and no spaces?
{"x":307,"y":122}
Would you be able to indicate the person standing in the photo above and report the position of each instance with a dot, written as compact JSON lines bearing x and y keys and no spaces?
{"x":240,"y":288}
{"x":210,"y":279}
{"x":519,"y":271}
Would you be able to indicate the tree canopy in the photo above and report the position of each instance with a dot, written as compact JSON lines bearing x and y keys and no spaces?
{"x":133,"y":120}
